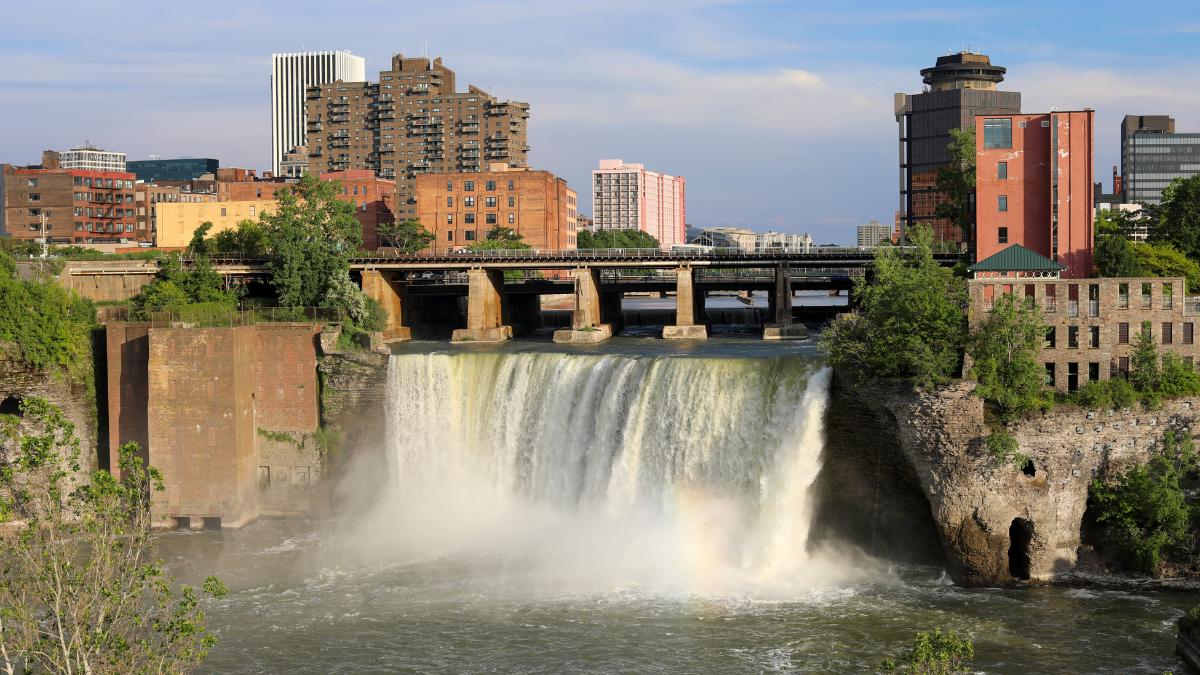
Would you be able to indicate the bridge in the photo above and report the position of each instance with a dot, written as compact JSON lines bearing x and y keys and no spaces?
{"x":501,"y":286}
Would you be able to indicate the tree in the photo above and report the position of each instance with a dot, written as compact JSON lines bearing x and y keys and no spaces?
{"x":408,"y":236}
{"x":249,"y":238}
{"x":312,"y":234}
{"x":200,"y":246}
{"x":615,"y":238}
{"x":1163,"y":260}
{"x":175,"y":289}
{"x":957,"y":182}
{"x":1114,"y":252}
{"x":1143,"y":362}
{"x":80,"y":590}
{"x":500,"y":239}
{"x":1004,"y":349}
{"x":44,"y":325}
{"x":1178,"y":220}
{"x":911,"y":321}
{"x":934,"y":653}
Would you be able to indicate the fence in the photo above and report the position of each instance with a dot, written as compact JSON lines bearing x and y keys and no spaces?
{"x":207,"y":315}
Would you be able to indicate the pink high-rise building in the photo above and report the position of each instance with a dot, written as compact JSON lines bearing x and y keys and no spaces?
{"x":629,"y":197}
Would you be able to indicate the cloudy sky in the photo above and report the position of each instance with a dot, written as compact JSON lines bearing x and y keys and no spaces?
{"x":779,"y":113}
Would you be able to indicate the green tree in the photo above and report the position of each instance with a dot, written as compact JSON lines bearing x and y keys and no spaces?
{"x":175,"y":289}
{"x":911,"y":320}
{"x":957,"y":181}
{"x":312,"y":235}
{"x":200,"y":245}
{"x":249,"y":238}
{"x":408,"y":236}
{"x":613,"y":238}
{"x":500,"y":239}
{"x":1004,"y":350}
{"x":1115,"y":256}
{"x":1163,"y":260}
{"x":1142,"y":512}
{"x":1177,"y":377}
{"x":934,"y":653}
{"x":80,"y":589}
{"x":1178,"y":221}
{"x":44,"y":325}
{"x":1143,"y":362}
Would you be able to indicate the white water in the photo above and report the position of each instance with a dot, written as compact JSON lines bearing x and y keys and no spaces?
{"x":589,"y":473}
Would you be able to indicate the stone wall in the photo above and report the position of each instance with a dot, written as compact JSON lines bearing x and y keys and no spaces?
{"x":354,"y":388}
{"x":985,"y":509}
{"x":19,"y":382}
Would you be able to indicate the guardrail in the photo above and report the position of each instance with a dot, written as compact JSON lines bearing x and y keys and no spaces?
{"x":216,"y":317}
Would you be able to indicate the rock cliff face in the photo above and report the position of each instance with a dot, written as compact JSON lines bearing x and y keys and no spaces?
{"x":18,"y":382}
{"x":995,"y":521}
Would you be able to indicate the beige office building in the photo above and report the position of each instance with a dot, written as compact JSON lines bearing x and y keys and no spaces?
{"x":178,"y":221}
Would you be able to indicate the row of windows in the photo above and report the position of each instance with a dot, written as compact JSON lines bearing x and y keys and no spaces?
{"x":105,"y":227}
{"x":469,"y":186}
{"x":488,"y":202}
{"x":1050,"y":298}
{"x":489,"y":218}
{"x":1094,"y":371}
{"x":87,"y":181}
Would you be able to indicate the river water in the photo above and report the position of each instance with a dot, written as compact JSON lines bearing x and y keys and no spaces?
{"x":634,"y":507}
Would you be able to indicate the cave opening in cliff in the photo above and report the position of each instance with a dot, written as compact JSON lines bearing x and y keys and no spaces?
{"x":1020,"y":539}
{"x":11,"y":406}
{"x":1028,"y":468}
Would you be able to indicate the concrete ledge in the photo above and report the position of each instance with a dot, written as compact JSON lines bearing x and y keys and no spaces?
{"x":397,"y":334}
{"x":500,"y":334}
{"x":597,"y":334}
{"x":790,"y":331}
{"x":685,"y":332}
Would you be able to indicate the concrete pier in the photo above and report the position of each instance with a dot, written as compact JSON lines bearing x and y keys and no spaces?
{"x":587,"y":316}
{"x":393,"y":299}
{"x":779,"y":303}
{"x":485,"y":308}
{"x":689,"y":308}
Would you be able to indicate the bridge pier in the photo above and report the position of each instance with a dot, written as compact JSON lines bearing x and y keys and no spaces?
{"x":392,"y":298}
{"x":780,"y":304}
{"x":689,"y":308}
{"x":587,"y":317}
{"x":485,"y":308}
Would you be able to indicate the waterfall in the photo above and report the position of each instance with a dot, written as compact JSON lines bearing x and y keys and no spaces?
{"x":675,"y":472}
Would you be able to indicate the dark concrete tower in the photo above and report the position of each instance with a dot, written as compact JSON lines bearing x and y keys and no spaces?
{"x":957,"y":88}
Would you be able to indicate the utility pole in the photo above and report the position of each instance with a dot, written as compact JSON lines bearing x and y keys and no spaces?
{"x":44,"y":247}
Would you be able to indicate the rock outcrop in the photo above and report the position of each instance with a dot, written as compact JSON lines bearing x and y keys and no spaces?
{"x":998,"y":522}
{"x":75,"y":399}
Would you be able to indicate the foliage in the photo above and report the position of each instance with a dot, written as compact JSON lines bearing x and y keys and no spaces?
{"x":1004,"y":350}
{"x":1114,"y":393}
{"x":1004,"y":447}
{"x":80,"y":590}
{"x":312,"y":235}
{"x":1178,"y":220}
{"x":614,"y":238}
{"x":1143,"y":361}
{"x":408,"y":236}
{"x":1115,"y":256}
{"x":1142,"y":512}
{"x":45,"y":325}
{"x":911,"y":321}
{"x":1163,"y":260}
{"x":1190,"y":621}
{"x":1177,"y":378}
{"x":500,"y":238}
{"x":179,"y":291}
{"x":199,"y":246}
{"x":248,"y":238}
{"x":934,"y":653}
{"x":957,"y":181}
{"x":364,"y":311}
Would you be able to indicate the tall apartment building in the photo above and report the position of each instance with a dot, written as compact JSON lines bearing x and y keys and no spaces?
{"x":182,"y":168}
{"x":957,"y":88}
{"x":1034,"y":186}
{"x":412,"y":122}
{"x":461,"y":208}
{"x":80,"y":207}
{"x":291,"y":76}
{"x":1153,"y":155}
{"x":630,"y":197}
{"x":88,"y":158}
{"x":872,"y":233}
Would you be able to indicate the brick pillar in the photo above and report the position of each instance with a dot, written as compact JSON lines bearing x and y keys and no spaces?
{"x":485,"y":308}
{"x":393,"y":299}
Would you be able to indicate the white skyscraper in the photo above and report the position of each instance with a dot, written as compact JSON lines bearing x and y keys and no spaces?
{"x":291,"y":75}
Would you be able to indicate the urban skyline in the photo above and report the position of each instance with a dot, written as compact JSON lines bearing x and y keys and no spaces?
{"x":809,"y":88}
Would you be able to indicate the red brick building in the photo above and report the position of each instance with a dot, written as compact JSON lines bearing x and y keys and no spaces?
{"x":374,"y":200}
{"x":80,"y":207}
{"x":1034,"y":186}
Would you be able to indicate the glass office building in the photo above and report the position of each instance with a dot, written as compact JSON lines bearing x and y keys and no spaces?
{"x":1154,"y":159}
{"x":191,"y":168}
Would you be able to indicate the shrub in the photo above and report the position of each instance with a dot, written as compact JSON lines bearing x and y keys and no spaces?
{"x":1004,"y":447}
{"x":934,"y":653}
{"x":1115,"y":393}
{"x":1178,"y":378}
{"x":1004,"y":348}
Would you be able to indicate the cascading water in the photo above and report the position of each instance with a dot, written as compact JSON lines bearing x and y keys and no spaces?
{"x":668,"y":472}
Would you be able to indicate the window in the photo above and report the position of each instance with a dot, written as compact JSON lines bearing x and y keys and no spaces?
{"x":468,"y":186}
{"x":1072,"y":376}
{"x":1003,"y":236}
{"x":1093,"y":371}
{"x":1123,"y":333}
{"x":450,"y":235}
{"x":512,"y":201}
{"x":1072,"y":299}
{"x":510,"y":185}
{"x":449,"y":202}
{"x":33,"y":182}
{"x":490,"y":186}
{"x":449,"y":186}
{"x":223,"y":211}
{"x":1051,"y":337}
{"x":512,"y":218}
{"x":1188,"y":335}
{"x":1168,"y":295}
{"x":490,"y":218}
{"x":1030,"y":292}
{"x":1168,"y":333}
{"x":469,"y":201}
{"x":1094,"y":338}
{"x":1002,"y":203}
{"x":997,"y":133}
{"x":1002,"y":170}
{"x":1123,"y":366}
{"x":1147,"y":293}
{"x":1123,"y":296}
{"x":489,"y":202}
{"x":251,"y":210}
{"x":470,"y":235}
{"x":1072,"y":337}
{"x":1093,"y":300}
{"x":469,"y":218}
{"x":1051,"y":298}
{"x":35,"y":197}
{"x":1049,"y":374}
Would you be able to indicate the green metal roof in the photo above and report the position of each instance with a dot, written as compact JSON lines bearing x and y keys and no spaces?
{"x":1016,"y":258}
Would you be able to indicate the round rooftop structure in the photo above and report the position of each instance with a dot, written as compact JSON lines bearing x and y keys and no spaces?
{"x":964,"y":70}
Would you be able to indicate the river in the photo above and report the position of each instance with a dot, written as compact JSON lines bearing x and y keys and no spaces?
{"x":638,"y":506}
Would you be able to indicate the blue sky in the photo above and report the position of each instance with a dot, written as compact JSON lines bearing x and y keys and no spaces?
{"x":779,"y":114}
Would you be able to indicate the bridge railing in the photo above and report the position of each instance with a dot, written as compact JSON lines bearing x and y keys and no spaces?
{"x":206,"y":315}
